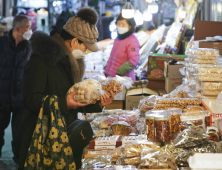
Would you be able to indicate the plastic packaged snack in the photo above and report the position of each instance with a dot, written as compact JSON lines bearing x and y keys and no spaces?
{"x":181,"y":159}
{"x":162,"y":128}
{"x":184,"y":101}
{"x":115,"y":84}
{"x":150,"y":126}
{"x":147,"y":103}
{"x":134,"y":150}
{"x":195,"y":109}
{"x":121,"y":128}
{"x":211,"y":85}
{"x":203,"y":52}
{"x":141,"y":126}
{"x":88,"y":91}
{"x":97,"y":162}
{"x":172,"y":150}
{"x":213,"y":133}
{"x":128,"y":161}
{"x":191,"y":121}
{"x":190,"y":138}
{"x":116,"y":154}
{"x":174,"y":123}
{"x":158,"y":160}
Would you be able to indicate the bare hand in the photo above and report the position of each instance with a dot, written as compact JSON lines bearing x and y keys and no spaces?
{"x":72,"y":104}
{"x":106,"y":100}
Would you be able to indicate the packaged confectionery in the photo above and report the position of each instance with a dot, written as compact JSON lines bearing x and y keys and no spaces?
{"x":190,"y":138}
{"x":195,"y":118}
{"x":128,"y":161}
{"x":147,"y":103}
{"x":185,"y":101}
{"x":158,"y":160}
{"x":172,"y":150}
{"x":211,"y":85}
{"x":97,"y":162}
{"x":213,"y":133}
{"x":162,"y":128}
{"x":174,"y":123}
{"x":88,"y":91}
{"x":204,"y":52}
{"x":121,"y":128}
{"x":150,"y":126}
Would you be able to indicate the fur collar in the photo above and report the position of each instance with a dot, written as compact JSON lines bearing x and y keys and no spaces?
{"x":53,"y":49}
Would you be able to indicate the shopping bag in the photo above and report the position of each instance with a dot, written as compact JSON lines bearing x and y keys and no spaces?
{"x":50,"y":147}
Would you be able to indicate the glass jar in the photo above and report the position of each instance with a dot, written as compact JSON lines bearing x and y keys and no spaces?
{"x":162,"y":128}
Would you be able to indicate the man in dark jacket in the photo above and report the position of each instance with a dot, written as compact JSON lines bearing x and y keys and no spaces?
{"x":14,"y":55}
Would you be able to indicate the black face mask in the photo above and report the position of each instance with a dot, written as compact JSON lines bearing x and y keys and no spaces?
{"x":127,"y":34}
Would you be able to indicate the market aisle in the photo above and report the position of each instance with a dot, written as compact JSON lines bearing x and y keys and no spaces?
{"x":6,"y":162}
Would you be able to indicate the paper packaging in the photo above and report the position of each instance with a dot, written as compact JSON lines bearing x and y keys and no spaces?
{"x":172,"y":83}
{"x":134,"y":96}
{"x":156,"y":65}
{"x":205,"y":44}
{"x":172,"y":71}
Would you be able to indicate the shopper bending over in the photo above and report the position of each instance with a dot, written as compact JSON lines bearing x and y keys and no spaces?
{"x":57,"y":63}
{"x":125,"y":53}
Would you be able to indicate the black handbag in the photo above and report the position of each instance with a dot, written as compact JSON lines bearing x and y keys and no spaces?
{"x":79,"y":133}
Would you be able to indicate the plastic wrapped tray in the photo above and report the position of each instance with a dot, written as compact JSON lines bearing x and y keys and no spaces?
{"x":211,"y":86}
{"x":204,"y":52}
{"x":187,"y":101}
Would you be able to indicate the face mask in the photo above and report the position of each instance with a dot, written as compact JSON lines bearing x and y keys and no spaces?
{"x":77,"y":54}
{"x":122,"y":30}
{"x":27,"y":35}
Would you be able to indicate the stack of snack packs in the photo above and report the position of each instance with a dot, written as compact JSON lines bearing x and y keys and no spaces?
{"x":120,"y":124}
{"x":187,"y":143}
{"x":144,"y":155}
{"x":90,"y":90}
{"x":204,"y":70}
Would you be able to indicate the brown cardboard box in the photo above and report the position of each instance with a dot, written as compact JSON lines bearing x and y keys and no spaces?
{"x":172,"y":71}
{"x":162,"y":92}
{"x":156,"y":84}
{"x":172,"y":83}
{"x":205,"y":29}
{"x":116,"y":104}
{"x":205,"y":44}
{"x":134,"y":96}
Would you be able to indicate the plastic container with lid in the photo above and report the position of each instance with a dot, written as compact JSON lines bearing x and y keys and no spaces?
{"x":150,"y":126}
{"x":205,"y":161}
{"x":174,"y":123}
{"x":162,"y":127}
{"x":213,"y":133}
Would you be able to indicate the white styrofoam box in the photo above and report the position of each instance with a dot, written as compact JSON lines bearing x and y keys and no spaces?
{"x":205,"y":161}
{"x":121,"y":95}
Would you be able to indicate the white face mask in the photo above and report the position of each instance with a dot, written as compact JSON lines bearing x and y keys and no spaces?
{"x":77,"y":53}
{"x":27,"y":35}
{"x":122,"y":30}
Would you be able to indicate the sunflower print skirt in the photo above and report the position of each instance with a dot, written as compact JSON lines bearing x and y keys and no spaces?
{"x":49,"y":147}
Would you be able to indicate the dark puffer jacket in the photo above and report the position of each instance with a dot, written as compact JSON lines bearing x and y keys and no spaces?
{"x":12,"y":64}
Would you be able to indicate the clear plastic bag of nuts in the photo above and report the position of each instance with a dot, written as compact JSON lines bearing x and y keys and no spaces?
{"x":147,"y":103}
{"x":88,"y":91}
{"x":116,"y":84}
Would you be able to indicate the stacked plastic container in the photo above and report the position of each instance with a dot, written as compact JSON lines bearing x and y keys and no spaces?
{"x":203,"y":69}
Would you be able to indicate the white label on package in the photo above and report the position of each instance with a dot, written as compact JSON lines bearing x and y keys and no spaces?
{"x":105,"y":142}
{"x":105,"y":147}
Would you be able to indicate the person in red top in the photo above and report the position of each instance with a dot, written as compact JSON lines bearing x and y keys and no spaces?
{"x":125,"y":53}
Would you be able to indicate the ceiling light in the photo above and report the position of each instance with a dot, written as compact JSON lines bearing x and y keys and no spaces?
{"x":128,"y":10}
{"x":153,"y":7}
{"x":147,"y":16}
{"x":138,"y":17}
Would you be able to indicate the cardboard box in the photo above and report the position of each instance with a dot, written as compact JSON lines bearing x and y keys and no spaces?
{"x":134,"y":96}
{"x":172,"y":71}
{"x":156,"y":65}
{"x":156,"y":85}
{"x":205,"y":44}
{"x":116,"y":104}
{"x":162,"y":92}
{"x":205,"y":29}
{"x":121,"y":95}
{"x":172,"y":83}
